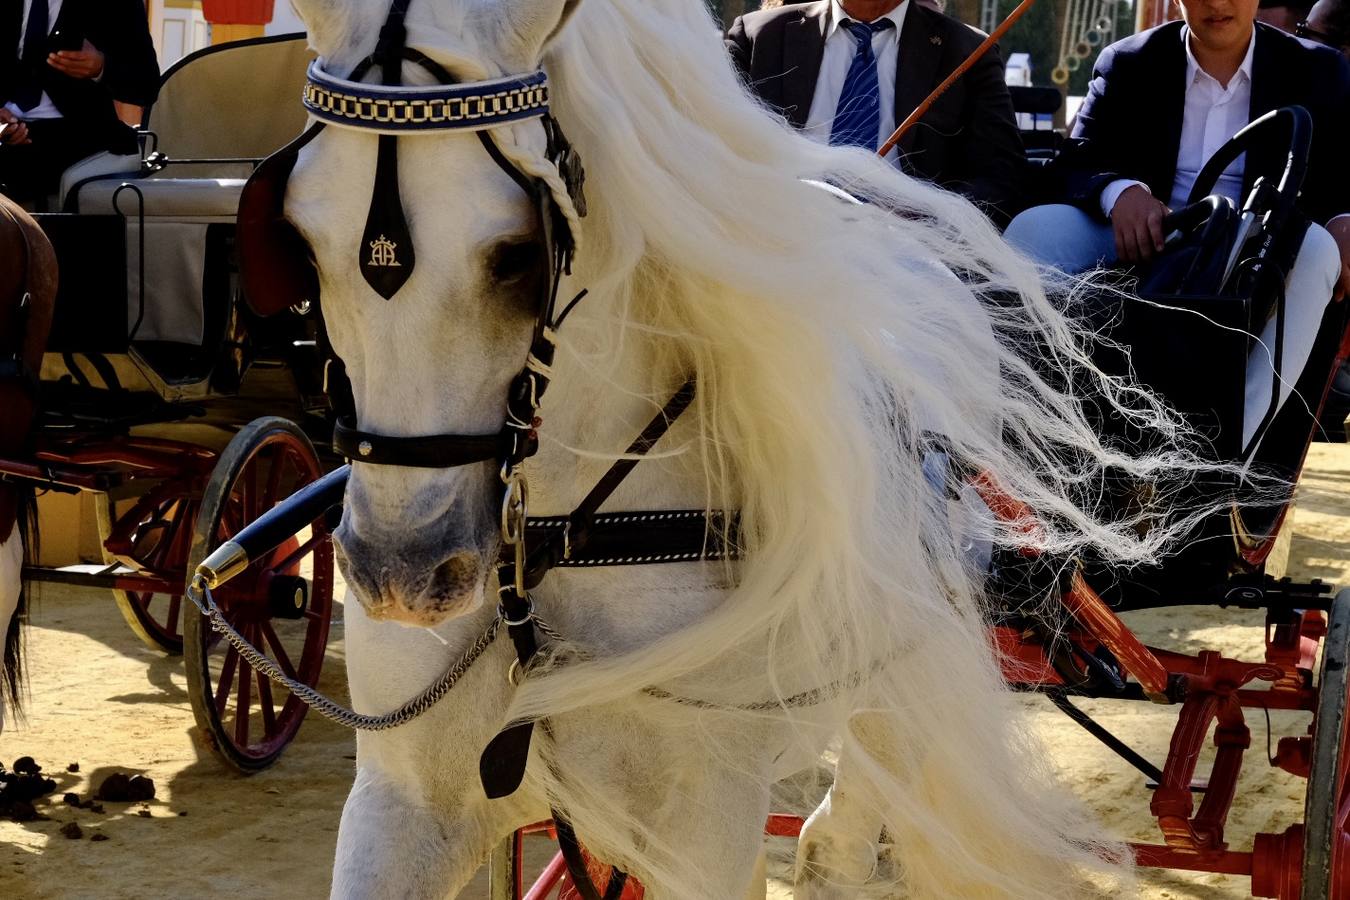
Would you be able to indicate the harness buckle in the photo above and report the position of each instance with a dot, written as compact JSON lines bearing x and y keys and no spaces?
{"x":524,"y":618}
{"x":514,"y":505}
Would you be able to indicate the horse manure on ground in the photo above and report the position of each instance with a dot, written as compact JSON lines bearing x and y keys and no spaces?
{"x":120,"y":788}
{"x":25,"y":765}
{"x":98,"y":836}
{"x":73,"y":767}
{"x":115,"y":788}
{"x":72,"y":830}
{"x":70,"y":799}
{"x":20,"y":787}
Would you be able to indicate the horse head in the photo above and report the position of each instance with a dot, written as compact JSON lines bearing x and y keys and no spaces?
{"x":435,"y":252}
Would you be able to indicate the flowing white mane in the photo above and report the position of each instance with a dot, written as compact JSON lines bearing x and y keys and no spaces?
{"x":835,"y":349}
{"x":830,"y":342}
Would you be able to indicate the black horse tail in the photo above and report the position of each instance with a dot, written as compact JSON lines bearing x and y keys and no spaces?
{"x":11,"y":675}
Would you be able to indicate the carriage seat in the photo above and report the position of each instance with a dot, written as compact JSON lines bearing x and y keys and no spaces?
{"x":99,"y":165}
{"x":180,"y":199}
{"x":173,"y":243}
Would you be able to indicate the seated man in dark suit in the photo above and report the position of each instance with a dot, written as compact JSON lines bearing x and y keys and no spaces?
{"x":63,"y":64}
{"x":1328,"y":23}
{"x":849,"y":71}
{"x":1159,"y":105}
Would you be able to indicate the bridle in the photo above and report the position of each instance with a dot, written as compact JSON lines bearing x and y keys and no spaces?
{"x":277,"y":273}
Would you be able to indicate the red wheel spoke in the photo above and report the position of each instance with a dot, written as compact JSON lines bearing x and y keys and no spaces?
{"x":299,"y":553}
{"x":242,"y":708}
{"x":226,"y":679}
{"x":251,"y":509}
{"x":282,"y":658}
{"x":155,"y":559}
{"x":269,"y":497}
{"x":269,"y":713}
{"x":180,"y":537}
{"x":171,"y":621}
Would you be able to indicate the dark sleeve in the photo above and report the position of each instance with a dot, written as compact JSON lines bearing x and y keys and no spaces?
{"x":1086,"y":165}
{"x":993,"y":161}
{"x":121,"y":31}
{"x":738,"y":46}
{"x":1326,"y":189}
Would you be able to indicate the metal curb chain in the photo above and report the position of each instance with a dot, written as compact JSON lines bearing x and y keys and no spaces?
{"x":200,"y":595}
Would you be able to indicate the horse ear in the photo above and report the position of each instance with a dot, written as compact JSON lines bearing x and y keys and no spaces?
{"x":535,"y":24}
{"x":334,"y":26}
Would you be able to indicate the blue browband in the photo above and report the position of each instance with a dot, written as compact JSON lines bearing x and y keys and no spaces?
{"x":473,"y":106}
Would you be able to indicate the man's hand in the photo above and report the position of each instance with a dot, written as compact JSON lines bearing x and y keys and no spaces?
{"x":85,"y":63}
{"x":1340,"y":230}
{"x":15,"y":131}
{"x":1137,"y":221}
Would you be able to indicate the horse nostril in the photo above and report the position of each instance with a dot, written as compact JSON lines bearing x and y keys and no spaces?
{"x":455,"y":577}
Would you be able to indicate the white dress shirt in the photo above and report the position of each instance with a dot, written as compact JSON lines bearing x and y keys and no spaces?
{"x":45,"y":109}
{"x":1213,"y":114}
{"x":840,"y":48}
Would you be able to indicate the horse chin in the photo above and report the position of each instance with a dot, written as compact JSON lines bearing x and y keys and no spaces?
{"x":430,"y":615}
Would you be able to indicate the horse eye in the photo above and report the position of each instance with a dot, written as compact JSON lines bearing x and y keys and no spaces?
{"x":513,"y":261}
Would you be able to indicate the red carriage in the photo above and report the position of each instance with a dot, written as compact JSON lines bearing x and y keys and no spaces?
{"x":178,"y":477}
{"x":151,"y":374}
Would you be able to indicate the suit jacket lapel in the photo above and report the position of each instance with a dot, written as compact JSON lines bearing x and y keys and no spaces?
{"x":1265,"y":97}
{"x":1169,"y":102}
{"x":11,"y":27}
{"x":916,"y":68}
{"x":803,"y":48}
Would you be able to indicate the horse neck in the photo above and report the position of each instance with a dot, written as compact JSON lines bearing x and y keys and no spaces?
{"x":590,"y":417}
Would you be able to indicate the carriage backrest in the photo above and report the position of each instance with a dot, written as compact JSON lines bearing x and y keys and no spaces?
{"x":237,"y":100}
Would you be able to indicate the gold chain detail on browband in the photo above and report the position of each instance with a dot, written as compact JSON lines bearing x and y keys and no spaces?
{"x":419,"y":112}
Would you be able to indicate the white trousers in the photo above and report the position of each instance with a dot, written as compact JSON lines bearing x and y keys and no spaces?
{"x":1066,"y":238}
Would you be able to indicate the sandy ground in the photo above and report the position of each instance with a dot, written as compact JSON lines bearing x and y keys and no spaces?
{"x":104,"y":701}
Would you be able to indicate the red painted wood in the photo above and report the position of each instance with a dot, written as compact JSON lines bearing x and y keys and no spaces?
{"x":237,"y":12}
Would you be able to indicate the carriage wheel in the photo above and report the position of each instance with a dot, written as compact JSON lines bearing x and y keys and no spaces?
{"x":282,"y":604}
{"x":1326,"y":834}
{"x":161,"y":540}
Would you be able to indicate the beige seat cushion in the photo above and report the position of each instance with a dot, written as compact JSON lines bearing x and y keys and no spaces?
{"x":98,"y":165}
{"x":180,"y":199}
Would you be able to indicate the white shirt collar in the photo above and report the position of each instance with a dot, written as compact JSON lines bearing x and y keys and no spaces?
{"x":1193,"y":70}
{"x":837,"y":15}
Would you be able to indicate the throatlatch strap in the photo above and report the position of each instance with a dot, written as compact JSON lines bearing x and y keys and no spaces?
{"x":502,"y":765}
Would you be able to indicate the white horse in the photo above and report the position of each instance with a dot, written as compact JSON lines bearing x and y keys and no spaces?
{"x":828,"y":342}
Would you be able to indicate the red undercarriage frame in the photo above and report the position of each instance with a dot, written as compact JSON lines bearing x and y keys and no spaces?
{"x":1211,"y":690}
{"x":1216,"y":695}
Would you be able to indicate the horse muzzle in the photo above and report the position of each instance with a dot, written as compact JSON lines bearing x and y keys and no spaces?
{"x":411,"y":585}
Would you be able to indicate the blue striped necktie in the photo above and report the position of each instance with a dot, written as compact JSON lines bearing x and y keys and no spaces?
{"x":857,"y":118}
